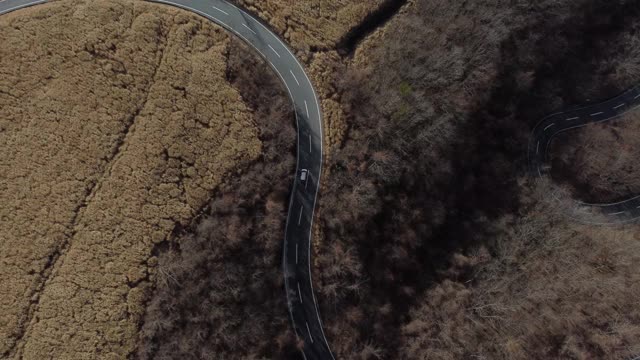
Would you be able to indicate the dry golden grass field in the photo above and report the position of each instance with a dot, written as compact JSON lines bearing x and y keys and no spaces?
{"x":116,"y":122}
{"x":146,"y":158}
{"x":312,"y":24}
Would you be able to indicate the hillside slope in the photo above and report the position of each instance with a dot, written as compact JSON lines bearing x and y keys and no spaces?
{"x":117,"y":122}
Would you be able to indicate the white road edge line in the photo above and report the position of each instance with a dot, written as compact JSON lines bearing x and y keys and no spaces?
{"x":224,"y":23}
{"x":545,"y":129}
{"x":315,"y":97}
{"x":309,"y":331}
{"x":274,"y":50}
{"x":291,"y":96}
{"x":573,"y":118}
{"x":285,"y":84}
{"x":300,"y":216}
{"x":598,"y":113}
{"x":19,"y":7}
{"x":222,"y":11}
{"x":295,"y":78}
{"x":619,"y":106}
{"x":299,"y":292}
{"x":250,"y":29}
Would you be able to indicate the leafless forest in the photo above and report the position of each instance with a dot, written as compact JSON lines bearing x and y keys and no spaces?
{"x":445,"y":250}
{"x":596,"y":162}
{"x":219,"y":288}
{"x":434,"y":165}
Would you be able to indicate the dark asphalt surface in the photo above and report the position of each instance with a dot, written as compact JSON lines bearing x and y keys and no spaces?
{"x":297,"y":245}
{"x":297,"y":242}
{"x":552,"y":125}
{"x":12,"y":5}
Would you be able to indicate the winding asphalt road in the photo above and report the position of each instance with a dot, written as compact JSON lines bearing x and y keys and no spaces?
{"x":297,"y":242}
{"x":552,"y":125}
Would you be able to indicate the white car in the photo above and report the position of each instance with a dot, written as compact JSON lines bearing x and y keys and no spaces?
{"x":303,"y":175}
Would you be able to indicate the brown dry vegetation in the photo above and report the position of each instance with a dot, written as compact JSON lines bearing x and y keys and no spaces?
{"x":445,"y":250}
{"x":117,"y":122}
{"x":315,"y":25}
{"x":551,"y":289}
{"x":122,"y":279}
{"x":314,"y":29}
{"x":599,"y":161}
{"x":220,"y":289}
{"x":440,"y":104}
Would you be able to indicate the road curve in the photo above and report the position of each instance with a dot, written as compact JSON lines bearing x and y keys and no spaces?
{"x":12,"y":5}
{"x":301,"y":300}
{"x":552,"y":125}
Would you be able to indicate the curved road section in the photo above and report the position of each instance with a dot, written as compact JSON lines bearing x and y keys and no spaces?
{"x":297,"y":242}
{"x":552,"y":125}
{"x":11,"y":5}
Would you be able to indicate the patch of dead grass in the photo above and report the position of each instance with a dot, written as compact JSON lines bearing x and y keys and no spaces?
{"x":116,"y":123}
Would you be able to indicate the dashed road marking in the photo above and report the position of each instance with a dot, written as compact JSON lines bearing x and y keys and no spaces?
{"x":274,"y":50}
{"x":538,"y":148}
{"x":309,"y":331}
{"x":548,"y":126}
{"x":222,"y":11}
{"x":598,"y":113}
{"x":307,"y":108}
{"x":637,"y":96}
{"x":320,"y":145}
{"x":300,"y":216}
{"x":296,"y":254}
{"x":250,"y":29}
{"x":573,"y":118}
{"x":294,"y":77}
{"x":310,"y":143}
{"x":299,"y":292}
{"x":619,"y":106}
{"x":617,"y":213}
